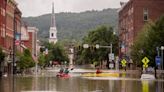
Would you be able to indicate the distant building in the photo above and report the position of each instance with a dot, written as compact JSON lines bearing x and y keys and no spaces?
{"x":24,"y":36}
{"x":32,"y":43}
{"x":132,"y":17}
{"x":29,"y":40}
{"x":53,"y":29}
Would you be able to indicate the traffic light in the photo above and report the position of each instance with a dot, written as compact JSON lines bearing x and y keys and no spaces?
{"x":92,"y":48}
{"x":79,"y":47}
{"x":42,"y":49}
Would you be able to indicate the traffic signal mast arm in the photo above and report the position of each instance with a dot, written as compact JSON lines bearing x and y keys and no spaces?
{"x":98,"y":46}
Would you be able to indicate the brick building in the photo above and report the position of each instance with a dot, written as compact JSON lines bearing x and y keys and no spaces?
{"x":10,"y":23}
{"x":132,"y":17}
{"x":2,"y":22}
{"x":13,"y":22}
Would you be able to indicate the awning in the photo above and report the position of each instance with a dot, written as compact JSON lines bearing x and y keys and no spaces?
{"x":23,"y":46}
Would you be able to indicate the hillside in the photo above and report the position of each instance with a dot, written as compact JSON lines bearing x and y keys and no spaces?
{"x":73,"y":25}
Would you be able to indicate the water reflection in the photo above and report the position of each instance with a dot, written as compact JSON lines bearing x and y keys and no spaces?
{"x":78,"y":84}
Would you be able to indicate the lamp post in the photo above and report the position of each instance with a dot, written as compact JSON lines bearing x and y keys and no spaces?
{"x":14,"y":32}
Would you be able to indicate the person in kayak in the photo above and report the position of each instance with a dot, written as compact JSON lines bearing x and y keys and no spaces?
{"x":66,"y":71}
{"x":61,"y":72}
{"x":98,"y":71}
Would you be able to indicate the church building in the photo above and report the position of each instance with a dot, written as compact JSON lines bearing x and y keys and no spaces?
{"x":53,"y":29}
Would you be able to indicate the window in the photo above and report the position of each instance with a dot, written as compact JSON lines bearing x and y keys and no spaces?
{"x":3,"y":30}
{"x":145,"y":14}
{"x":2,"y":11}
{"x":52,"y":35}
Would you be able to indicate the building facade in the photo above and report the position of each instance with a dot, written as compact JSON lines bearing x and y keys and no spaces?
{"x":2,"y":22}
{"x":132,"y":17}
{"x":32,"y":42}
{"x":10,"y":23}
{"x":24,"y":36}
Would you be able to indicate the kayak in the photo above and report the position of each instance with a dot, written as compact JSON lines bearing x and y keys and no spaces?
{"x":100,"y":75}
{"x":63,"y":75}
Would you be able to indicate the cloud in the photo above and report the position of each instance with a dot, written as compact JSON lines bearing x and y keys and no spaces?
{"x":39,"y":7}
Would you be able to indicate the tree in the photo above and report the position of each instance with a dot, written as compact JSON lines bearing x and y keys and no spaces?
{"x":26,"y":60}
{"x":103,"y":36}
{"x":56,"y":52}
{"x":148,"y":39}
{"x":42,"y":60}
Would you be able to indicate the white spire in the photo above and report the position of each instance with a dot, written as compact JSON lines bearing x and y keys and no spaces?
{"x":53,"y":24}
{"x":53,"y":29}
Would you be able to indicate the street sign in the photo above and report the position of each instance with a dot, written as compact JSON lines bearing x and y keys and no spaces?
{"x":145,"y":65}
{"x":111,"y":65}
{"x":17,"y":39}
{"x":17,"y":42}
{"x":46,"y":51}
{"x":122,"y":48}
{"x":158,"y":60}
{"x":111,"y":56}
{"x":145,"y":60}
{"x":123,"y":62}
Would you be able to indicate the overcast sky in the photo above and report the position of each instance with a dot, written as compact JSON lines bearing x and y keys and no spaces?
{"x":39,"y":7}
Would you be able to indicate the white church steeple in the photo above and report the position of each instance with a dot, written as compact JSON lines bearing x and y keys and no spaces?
{"x":53,"y":29}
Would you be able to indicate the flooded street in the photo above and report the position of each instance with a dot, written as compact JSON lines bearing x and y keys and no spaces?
{"x":125,"y":83}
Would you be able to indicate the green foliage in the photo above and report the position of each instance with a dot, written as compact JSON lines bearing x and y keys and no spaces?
{"x":2,"y":55}
{"x":103,"y":36}
{"x":74,"y":25}
{"x":42,"y":59}
{"x":55,"y":53}
{"x":148,"y":39}
{"x":26,"y":60}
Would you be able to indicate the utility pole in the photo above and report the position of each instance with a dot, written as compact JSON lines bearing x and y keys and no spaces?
{"x":162,"y":48}
{"x":111,"y":48}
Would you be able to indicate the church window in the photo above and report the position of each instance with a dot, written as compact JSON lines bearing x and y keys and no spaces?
{"x":52,"y":35}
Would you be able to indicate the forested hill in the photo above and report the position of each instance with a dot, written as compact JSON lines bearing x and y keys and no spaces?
{"x":73,"y":25}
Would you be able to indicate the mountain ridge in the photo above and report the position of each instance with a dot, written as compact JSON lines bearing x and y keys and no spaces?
{"x":73,"y":25}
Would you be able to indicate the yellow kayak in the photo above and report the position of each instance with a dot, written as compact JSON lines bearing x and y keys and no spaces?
{"x":101,"y":75}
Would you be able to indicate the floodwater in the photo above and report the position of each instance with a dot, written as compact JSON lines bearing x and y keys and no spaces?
{"x":79,"y":84}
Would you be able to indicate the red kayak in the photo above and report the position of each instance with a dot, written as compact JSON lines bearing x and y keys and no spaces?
{"x":62,"y":75}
